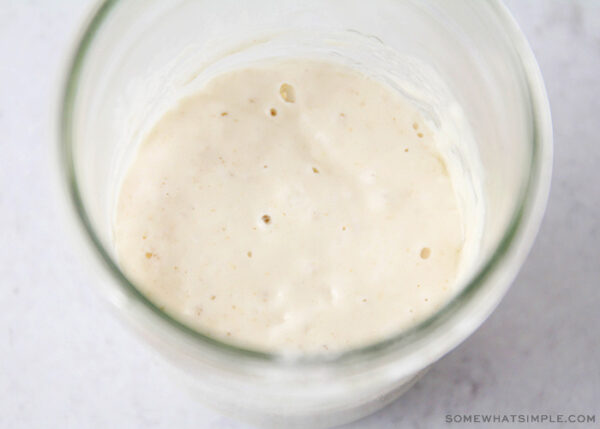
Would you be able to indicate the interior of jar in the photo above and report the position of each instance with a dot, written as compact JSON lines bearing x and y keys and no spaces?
{"x":138,"y":58}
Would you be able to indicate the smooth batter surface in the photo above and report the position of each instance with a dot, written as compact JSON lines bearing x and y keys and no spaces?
{"x":294,"y":205}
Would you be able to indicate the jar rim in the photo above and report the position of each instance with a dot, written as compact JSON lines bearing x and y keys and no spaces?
{"x":523,"y":223}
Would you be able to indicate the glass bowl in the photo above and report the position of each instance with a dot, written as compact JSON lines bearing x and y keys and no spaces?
{"x":135,"y":57}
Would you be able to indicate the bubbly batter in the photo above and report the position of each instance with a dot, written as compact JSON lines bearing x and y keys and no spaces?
{"x":292,"y":206}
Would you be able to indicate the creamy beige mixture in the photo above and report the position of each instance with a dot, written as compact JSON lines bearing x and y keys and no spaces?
{"x":293,"y":205}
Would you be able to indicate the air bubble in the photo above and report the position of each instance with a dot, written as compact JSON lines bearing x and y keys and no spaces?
{"x":287,"y":93}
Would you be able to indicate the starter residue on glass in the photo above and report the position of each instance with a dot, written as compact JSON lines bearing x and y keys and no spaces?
{"x":292,"y":206}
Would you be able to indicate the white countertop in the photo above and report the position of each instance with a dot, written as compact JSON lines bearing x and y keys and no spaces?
{"x":66,"y":362}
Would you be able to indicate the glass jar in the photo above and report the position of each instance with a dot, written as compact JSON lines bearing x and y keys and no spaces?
{"x":136,"y":57}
